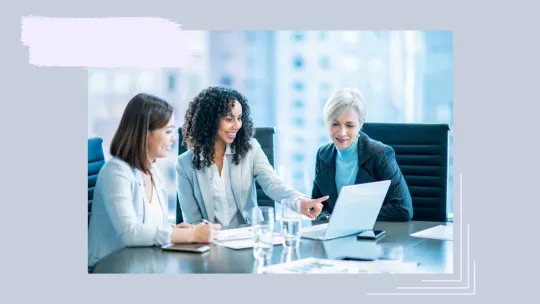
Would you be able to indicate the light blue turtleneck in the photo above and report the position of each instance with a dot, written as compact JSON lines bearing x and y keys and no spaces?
{"x":347,"y":165}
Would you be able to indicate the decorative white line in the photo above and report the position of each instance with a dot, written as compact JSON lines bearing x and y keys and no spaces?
{"x":461,"y":272}
{"x":434,"y":294}
{"x":474,"y":277}
{"x":451,"y":287}
{"x":460,"y":233}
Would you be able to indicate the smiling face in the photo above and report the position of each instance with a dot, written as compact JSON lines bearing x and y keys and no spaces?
{"x":160,"y":140}
{"x":345,"y":128}
{"x":230,"y":124}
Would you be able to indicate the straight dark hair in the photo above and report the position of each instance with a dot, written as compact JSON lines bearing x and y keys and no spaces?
{"x":143,"y":113}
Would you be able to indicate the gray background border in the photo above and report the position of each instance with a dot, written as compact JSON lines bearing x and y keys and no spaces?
{"x":496,"y":60}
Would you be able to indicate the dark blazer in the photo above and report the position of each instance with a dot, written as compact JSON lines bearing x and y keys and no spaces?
{"x":376,"y":162}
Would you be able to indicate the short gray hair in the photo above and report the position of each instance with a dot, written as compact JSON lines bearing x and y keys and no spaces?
{"x":342,"y":99}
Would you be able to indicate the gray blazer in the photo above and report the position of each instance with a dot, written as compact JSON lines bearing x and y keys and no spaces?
{"x":195,"y":192}
{"x":119,"y":211}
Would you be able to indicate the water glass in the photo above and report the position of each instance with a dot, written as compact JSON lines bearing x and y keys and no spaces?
{"x":289,"y":254}
{"x":291,"y":222}
{"x":258,"y":265}
{"x":263,"y":232}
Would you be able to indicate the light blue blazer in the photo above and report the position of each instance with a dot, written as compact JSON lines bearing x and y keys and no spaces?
{"x":119,"y":211}
{"x":195,"y":192}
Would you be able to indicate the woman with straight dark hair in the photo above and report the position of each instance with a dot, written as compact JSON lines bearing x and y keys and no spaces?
{"x":130,"y":200}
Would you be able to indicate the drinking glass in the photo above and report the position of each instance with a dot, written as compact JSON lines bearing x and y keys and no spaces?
{"x":291,"y":222}
{"x":263,"y":232}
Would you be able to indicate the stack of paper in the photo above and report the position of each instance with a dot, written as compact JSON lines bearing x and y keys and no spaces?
{"x":241,"y":238}
{"x":440,"y":232}
{"x":327,"y":266}
{"x":246,"y":243}
{"x":234,"y":234}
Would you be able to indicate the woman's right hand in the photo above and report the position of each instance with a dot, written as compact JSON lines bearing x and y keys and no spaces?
{"x":201,"y":234}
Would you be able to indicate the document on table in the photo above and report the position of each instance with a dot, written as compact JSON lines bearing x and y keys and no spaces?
{"x":240,"y":238}
{"x":440,"y":232}
{"x":234,"y":234}
{"x":321,"y":266}
{"x":247,"y":243}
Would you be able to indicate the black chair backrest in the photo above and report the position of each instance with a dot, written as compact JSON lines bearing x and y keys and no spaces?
{"x":422,"y":155}
{"x":96,"y":160}
{"x":265,"y":137}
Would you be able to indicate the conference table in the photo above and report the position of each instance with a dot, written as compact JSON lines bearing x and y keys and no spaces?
{"x":431,"y":255}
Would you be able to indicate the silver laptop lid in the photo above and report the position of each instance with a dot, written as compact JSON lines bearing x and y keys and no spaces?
{"x":357,"y":208}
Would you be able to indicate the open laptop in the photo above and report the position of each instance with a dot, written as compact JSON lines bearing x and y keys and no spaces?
{"x":356,"y":210}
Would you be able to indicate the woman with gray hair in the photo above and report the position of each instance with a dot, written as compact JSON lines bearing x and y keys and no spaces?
{"x":354,"y":158}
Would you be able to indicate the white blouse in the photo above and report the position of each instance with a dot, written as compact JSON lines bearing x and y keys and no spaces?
{"x":154,"y":213}
{"x":225,"y":208}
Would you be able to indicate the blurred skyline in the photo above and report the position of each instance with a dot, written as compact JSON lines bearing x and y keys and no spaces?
{"x":405,"y":76}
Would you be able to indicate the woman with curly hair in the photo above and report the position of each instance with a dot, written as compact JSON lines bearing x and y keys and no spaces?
{"x":216,"y":176}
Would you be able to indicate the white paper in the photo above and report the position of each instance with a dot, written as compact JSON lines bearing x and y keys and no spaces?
{"x":310,"y":265}
{"x":322,"y":266}
{"x":240,"y":238}
{"x":234,"y":234}
{"x":440,"y":232}
{"x":246,"y":243}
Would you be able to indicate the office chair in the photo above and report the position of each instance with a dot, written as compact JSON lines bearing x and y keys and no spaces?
{"x":422,"y":156}
{"x":96,"y":160}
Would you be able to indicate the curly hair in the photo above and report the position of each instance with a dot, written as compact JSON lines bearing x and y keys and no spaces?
{"x":202,"y":121}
